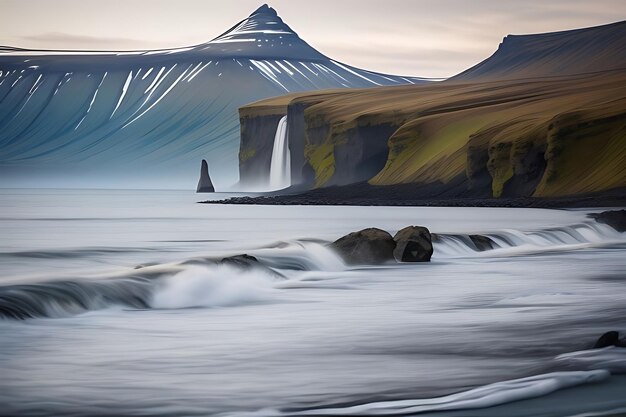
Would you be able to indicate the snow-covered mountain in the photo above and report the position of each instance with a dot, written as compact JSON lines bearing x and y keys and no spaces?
{"x":147,"y":118}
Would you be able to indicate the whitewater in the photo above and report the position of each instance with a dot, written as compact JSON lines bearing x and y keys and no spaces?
{"x":131,"y":303}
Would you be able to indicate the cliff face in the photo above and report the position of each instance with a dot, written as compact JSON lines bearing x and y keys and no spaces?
{"x":257,"y":140}
{"x":543,"y":138}
{"x":545,"y":116}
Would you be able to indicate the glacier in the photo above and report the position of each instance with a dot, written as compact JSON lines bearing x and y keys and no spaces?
{"x":144,"y":119}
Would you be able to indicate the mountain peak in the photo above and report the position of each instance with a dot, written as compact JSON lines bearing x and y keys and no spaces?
{"x":262,"y":22}
{"x":265,"y":9}
{"x":263,"y":34}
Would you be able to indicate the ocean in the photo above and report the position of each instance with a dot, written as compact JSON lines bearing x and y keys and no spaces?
{"x":112,"y":302}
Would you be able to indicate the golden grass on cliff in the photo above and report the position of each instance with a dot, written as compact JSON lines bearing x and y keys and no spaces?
{"x":577,"y":124}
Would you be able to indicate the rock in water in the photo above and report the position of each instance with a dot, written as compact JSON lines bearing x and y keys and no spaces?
{"x":204,"y":184}
{"x":609,"y":339}
{"x":244,"y":261}
{"x":368,"y":246}
{"x":481,"y":242}
{"x":413,"y":244}
{"x":615,"y":218}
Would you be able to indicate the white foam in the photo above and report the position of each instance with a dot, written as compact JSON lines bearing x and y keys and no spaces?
{"x":215,"y":286}
{"x":511,"y":242}
{"x":308,"y":256}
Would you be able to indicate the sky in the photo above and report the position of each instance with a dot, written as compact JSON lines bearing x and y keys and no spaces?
{"x":428,"y":38}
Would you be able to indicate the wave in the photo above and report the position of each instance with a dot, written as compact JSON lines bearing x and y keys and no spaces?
{"x":301,"y":255}
{"x":516,"y":242}
{"x":213,"y":285}
{"x":217,"y":286}
{"x":482,"y":397}
{"x":592,"y":366}
{"x":68,"y":298}
{"x":610,"y":358}
{"x":197,"y":282}
{"x":210,"y":282}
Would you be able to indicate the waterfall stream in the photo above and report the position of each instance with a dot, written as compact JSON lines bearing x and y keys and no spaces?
{"x":280,"y":167}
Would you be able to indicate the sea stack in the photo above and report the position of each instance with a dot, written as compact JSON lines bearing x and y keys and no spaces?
{"x":204,"y":184}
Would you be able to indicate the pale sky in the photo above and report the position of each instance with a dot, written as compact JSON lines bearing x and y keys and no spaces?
{"x":429,"y":38}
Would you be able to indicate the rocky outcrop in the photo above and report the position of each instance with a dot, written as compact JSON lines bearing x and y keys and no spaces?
{"x":368,"y":246}
{"x":614,"y":218}
{"x":609,"y":339}
{"x":204,"y":184}
{"x":376,"y":246}
{"x":413,"y":244}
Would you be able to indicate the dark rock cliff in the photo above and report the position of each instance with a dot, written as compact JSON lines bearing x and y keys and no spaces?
{"x":512,"y":139}
{"x":257,"y":142}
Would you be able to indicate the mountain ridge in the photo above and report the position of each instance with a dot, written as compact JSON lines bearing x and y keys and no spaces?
{"x":145,"y":118}
{"x":566,"y":52}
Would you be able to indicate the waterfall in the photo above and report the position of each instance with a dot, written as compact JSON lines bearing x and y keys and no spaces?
{"x":280,"y":167}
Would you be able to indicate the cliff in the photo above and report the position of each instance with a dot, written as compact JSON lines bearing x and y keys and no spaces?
{"x":543,"y":138}
{"x":491,"y":132}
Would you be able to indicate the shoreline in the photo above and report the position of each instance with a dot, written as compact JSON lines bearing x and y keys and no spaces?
{"x":410,"y":195}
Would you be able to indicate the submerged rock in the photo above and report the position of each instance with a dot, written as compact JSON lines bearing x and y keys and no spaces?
{"x":367,"y":246}
{"x":609,"y":339}
{"x":244,"y":261}
{"x":204,"y":184}
{"x":413,"y":244}
{"x":481,"y":242}
{"x":614,"y":218}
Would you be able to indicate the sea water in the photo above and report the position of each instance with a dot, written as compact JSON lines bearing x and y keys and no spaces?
{"x":112,"y":304}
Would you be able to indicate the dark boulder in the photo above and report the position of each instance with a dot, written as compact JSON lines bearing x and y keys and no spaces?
{"x":247,"y":262}
{"x":368,"y":246}
{"x":242,"y":261}
{"x":481,"y":242}
{"x":413,"y":244}
{"x":609,"y":339}
{"x":614,"y":218}
{"x":204,"y":184}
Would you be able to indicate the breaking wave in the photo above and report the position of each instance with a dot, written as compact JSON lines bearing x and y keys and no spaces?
{"x":217,"y":286}
{"x":516,"y":242}
{"x":208,"y":282}
{"x":198,"y":282}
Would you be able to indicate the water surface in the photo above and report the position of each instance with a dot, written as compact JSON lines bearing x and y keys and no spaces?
{"x":129,"y":314}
